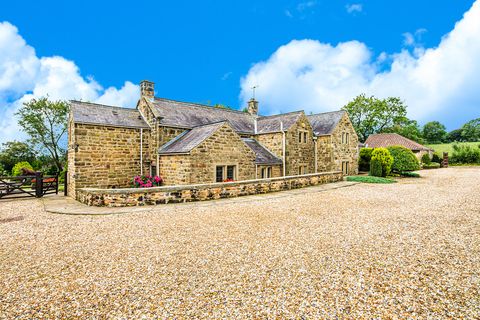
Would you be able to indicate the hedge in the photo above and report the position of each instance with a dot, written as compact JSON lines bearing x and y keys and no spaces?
{"x":432,"y":165}
{"x":364,"y":159}
{"x":403,"y":159}
{"x":17,"y":168}
{"x":385,"y":159}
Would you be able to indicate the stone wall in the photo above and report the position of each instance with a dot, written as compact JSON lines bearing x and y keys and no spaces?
{"x":345,"y":151}
{"x":299,"y":153}
{"x":199,"y":192}
{"x":105,"y":157}
{"x":324,"y":153}
{"x":272,"y":141}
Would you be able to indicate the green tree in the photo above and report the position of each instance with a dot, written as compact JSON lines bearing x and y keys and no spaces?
{"x":407,"y":128}
{"x":371,"y":115}
{"x":471,"y":130}
{"x":434,"y":132}
{"x":45,"y":122}
{"x":17,"y":168}
{"x":455,"y":136}
{"x":15,"y":151}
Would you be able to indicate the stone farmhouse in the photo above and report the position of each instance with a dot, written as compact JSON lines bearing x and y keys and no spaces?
{"x":188,"y":143}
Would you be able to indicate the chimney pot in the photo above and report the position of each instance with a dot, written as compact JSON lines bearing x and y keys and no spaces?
{"x":253,"y":107}
{"x":147,"y":89}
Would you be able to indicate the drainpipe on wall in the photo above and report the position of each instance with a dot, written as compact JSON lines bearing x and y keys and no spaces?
{"x":256,"y":171}
{"x":157,"y":167}
{"x":283,"y":147}
{"x":141,"y":151}
{"x":315,"y":151}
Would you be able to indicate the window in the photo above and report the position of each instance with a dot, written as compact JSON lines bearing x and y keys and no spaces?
{"x":266,"y":172}
{"x":302,"y":170}
{"x":219,"y":174}
{"x":347,"y":137}
{"x":305,"y":137}
{"x":224,"y":173}
{"x":345,"y":165}
{"x":230,"y":172}
{"x":299,"y":137}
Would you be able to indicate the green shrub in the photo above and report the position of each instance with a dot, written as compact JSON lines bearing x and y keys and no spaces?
{"x":375,"y":168}
{"x":369,"y":179}
{"x":436,"y":158}
{"x":403,"y":159}
{"x":3,"y":172}
{"x":409,"y":174}
{"x":432,"y":165}
{"x":385,"y":159}
{"x":364,"y":159}
{"x":17,"y":168}
{"x":465,"y":154}
{"x":426,"y":158}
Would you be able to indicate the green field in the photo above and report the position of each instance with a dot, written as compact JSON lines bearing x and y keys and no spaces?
{"x":448,"y":147}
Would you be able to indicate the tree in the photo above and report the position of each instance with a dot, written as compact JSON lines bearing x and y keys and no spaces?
{"x":46,"y":123}
{"x":455,"y":136}
{"x":407,"y":128}
{"x":371,"y":115}
{"x":15,"y":151}
{"x":471,"y":130}
{"x":434,"y":132}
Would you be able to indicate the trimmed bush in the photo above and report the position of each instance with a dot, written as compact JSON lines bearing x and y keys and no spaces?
{"x":385,"y":159}
{"x":364,"y":159}
{"x":375,"y":168}
{"x":17,"y":168}
{"x":436,"y":158}
{"x":403,"y":159}
{"x":465,"y":154}
{"x":426,"y":158}
{"x":432,"y":165}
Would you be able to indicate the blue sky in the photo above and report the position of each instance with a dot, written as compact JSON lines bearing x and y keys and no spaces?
{"x":200,"y":51}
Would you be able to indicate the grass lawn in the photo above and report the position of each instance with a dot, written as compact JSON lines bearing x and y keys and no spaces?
{"x":370,"y":179}
{"x":448,"y":147}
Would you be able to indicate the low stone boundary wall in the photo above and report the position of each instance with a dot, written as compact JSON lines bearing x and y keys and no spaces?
{"x":199,"y":192}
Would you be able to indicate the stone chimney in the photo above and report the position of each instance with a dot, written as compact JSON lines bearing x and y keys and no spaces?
{"x":147,"y":89}
{"x":253,"y":107}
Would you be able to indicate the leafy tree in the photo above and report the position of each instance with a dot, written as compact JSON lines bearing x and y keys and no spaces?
{"x":455,"y":136}
{"x":46,"y":123}
{"x":471,"y":130}
{"x":407,"y":128}
{"x":15,"y":151}
{"x":371,"y":115}
{"x":3,"y":172}
{"x":17,"y":168}
{"x":434,"y":132}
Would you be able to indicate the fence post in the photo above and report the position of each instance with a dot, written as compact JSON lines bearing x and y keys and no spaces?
{"x":445,"y":160}
{"x":65,"y":184}
{"x":38,"y":184}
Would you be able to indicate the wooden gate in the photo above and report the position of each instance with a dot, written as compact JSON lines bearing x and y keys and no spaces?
{"x":28,"y":186}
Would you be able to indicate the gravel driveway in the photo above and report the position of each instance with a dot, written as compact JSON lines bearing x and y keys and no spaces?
{"x":404,"y":250}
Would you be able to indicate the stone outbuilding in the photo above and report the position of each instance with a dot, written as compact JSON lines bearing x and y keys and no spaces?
{"x":384,"y":140}
{"x":189,"y":143}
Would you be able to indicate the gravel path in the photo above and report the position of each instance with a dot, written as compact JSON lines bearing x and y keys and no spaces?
{"x":404,"y":250}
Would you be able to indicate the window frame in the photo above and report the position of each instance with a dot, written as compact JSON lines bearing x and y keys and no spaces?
{"x":225,"y":172}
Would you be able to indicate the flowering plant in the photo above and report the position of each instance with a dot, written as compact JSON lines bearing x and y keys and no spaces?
{"x":228,"y":180}
{"x":147,"y":181}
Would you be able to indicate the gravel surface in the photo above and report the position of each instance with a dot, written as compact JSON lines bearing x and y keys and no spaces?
{"x":404,"y":250}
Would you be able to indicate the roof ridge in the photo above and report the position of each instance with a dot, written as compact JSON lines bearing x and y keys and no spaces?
{"x":194,"y":104}
{"x":281,"y":114}
{"x":210,"y":124}
{"x":103,"y":105}
{"x":320,"y":113}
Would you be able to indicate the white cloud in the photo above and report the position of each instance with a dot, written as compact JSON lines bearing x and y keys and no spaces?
{"x":413,"y":39}
{"x":354,"y":7}
{"x":302,"y":6}
{"x":24,"y":75}
{"x":436,"y":83}
{"x":226,"y":75}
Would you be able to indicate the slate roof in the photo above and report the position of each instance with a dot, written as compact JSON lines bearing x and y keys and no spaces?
{"x":189,"y":115}
{"x":262,"y":154}
{"x":383,"y":140}
{"x":272,"y":123}
{"x":324,"y":123}
{"x":92,"y":113}
{"x":188,"y":140}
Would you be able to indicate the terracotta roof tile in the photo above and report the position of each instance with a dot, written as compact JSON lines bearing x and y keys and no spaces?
{"x":383,"y":140}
